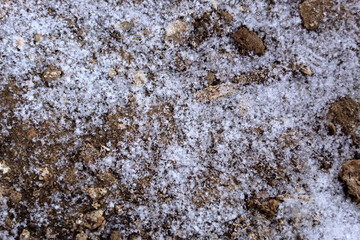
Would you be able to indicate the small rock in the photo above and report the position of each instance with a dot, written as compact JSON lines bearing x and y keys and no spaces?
{"x":45,"y":174}
{"x":115,"y":235}
{"x":125,"y":26}
{"x":51,"y":73}
{"x":305,"y":70}
{"x":312,"y":12}
{"x":95,"y":219}
{"x":4,"y":168}
{"x":249,"y":41}
{"x":345,"y":112}
{"x":176,"y":31}
{"x":214,"y":92}
{"x":243,"y":9}
{"x":20,"y":43}
{"x":81,"y":236}
{"x":37,"y":38}
{"x":25,"y":235}
{"x":112,"y":73}
{"x":96,"y":193}
{"x":350,"y":174}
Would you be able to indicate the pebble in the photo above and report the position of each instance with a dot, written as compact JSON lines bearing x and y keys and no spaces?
{"x":37,"y":38}
{"x":249,"y":41}
{"x":51,"y":73}
{"x":81,"y":236}
{"x":214,"y":92}
{"x":306,"y":70}
{"x":25,"y":235}
{"x":95,"y":218}
{"x":112,"y":72}
{"x":4,"y":168}
{"x":96,"y":193}
{"x":125,"y":26}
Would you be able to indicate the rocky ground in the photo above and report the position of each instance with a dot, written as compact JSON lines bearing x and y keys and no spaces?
{"x":179,"y":119}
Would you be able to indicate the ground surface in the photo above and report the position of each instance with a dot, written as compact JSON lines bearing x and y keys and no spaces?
{"x":179,"y":119}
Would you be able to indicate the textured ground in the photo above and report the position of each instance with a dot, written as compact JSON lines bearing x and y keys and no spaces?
{"x":179,"y":119}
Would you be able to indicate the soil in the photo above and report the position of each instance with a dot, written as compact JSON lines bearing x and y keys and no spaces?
{"x":111,"y":176}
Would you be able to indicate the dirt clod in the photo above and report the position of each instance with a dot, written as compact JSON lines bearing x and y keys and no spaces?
{"x":344,"y":112}
{"x":350,"y":174}
{"x":249,"y":41}
{"x":312,"y":13}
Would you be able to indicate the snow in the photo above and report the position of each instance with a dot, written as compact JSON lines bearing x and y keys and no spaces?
{"x":217,"y":142}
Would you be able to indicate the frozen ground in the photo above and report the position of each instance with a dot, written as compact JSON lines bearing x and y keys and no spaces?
{"x":119,"y":144}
